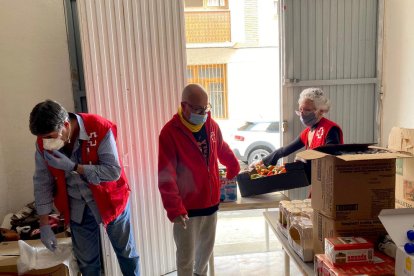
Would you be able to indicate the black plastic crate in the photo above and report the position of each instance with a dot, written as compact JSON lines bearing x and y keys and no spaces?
{"x":297,"y":175}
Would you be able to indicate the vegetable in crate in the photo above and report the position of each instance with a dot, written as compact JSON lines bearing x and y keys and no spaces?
{"x":262,"y":171}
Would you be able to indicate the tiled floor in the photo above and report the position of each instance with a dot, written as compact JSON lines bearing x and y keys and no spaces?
{"x":263,"y":264}
{"x":240,"y":247}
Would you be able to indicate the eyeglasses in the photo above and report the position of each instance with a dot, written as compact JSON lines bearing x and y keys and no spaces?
{"x":304,"y":111}
{"x":200,"y":109}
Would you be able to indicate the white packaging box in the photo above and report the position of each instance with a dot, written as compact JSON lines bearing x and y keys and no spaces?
{"x":397,"y":222}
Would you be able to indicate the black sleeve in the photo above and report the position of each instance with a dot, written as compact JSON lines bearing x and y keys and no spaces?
{"x":272,"y":158}
{"x":333,"y":136}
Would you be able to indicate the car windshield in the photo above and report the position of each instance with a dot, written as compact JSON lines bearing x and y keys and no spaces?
{"x":246,"y":126}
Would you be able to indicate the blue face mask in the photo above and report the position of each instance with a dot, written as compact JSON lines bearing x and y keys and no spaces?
{"x":309,"y":119}
{"x":197,"y":119}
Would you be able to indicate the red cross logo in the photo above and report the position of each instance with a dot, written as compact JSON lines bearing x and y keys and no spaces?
{"x":212,"y":137}
{"x":92,"y":139}
{"x":320,"y":132}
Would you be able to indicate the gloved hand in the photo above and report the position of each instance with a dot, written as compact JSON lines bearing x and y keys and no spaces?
{"x":253,"y":165}
{"x":48,"y":237}
{"x":59,"y":161}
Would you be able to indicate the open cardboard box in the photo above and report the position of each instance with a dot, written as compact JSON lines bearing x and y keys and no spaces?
{"x":402,"y":139}
{"x":352,"y":181}
{"x":300,"y":238}
{"x":397,"y":222}
{"x":9,"y":253}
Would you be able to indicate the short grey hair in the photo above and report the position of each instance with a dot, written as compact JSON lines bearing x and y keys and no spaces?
{"x":317,"y":96}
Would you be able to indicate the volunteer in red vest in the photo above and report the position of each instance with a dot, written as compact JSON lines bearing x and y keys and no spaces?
{"x":313,"y":104}
{"x":77,"y":167}
{"x":190,"y":146}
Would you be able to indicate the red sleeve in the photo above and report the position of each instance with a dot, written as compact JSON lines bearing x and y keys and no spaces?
{"x":167,"y":177}
{"x":227,"y":157}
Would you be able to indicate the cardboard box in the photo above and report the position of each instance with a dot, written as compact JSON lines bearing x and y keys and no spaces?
{"x":324,"y":227}
{"x":295,"y":177}
{"x":228,"y":189}
{"x":382,"y":265}
{"x":402,"y":139}
{"x":352,"y":181}
{"x":300,"y":238}
{"x":398,"y":222}
{"x":285,"y":216}
{"x":343,"y":251}
{"x":9,"y":253}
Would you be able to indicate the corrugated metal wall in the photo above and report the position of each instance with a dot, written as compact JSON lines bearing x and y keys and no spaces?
{"x":334,"y":40}
{"x":332,"y":44}
{"x":134,"y":61}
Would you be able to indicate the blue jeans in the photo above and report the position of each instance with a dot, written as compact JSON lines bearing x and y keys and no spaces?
{"x":86,"y":243}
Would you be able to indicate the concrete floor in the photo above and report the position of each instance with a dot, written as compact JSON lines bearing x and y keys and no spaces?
{"x":240,"y":247}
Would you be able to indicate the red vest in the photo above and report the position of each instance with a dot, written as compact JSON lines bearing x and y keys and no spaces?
{"x":110,"y":197}
{"x":321,"y":132}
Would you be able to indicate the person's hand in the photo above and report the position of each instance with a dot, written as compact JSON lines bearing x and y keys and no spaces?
{"x":181,"y":219}
{"x":253,"y":165}
{"x":48,"y":237}
{"x":59,"y":161}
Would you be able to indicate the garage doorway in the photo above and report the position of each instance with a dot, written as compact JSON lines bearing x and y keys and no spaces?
{"x":233,"y":51}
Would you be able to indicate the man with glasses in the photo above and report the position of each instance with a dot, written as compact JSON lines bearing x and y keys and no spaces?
{"x":190,"y":147}
{"x":77,"y":167}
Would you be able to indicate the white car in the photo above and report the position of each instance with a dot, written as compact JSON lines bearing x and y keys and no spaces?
{"x":255,"y":140}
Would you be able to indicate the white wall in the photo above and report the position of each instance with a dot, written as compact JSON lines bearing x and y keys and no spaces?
{"x":398,"y":74}
{"x":268,"y":23}
{"x":252,"y":81}
{"x":237,"y":20}
{"x":34,"y":66}
{"x":253,"y":84}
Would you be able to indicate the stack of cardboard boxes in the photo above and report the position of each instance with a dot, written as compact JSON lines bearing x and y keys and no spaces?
{"x":382,"y":265}
{"x":295,"y":223}
{"x":399,"y":221}
{"x":351,"y":184}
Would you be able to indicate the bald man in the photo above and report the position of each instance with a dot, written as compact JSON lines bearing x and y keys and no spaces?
{"x":190,"y":146}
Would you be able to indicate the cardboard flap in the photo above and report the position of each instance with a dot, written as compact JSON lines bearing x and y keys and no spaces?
{"x":7,"y":261}
{"x":332,"y":149}
{"x":310,"y":155}
{"x":335,"y":150}
{"x":352,"y":152}
{"x":401,"y":139}
{"x":9,"y":248}
{"x":385,"y":155}
{"x":397,"y":222}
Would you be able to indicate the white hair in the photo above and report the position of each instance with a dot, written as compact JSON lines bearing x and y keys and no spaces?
{"x":317,"y":96}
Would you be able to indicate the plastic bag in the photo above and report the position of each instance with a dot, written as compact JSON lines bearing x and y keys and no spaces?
{"x":39,"y":257}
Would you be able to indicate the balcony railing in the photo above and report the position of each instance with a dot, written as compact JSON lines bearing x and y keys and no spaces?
{"x":207,"y":26}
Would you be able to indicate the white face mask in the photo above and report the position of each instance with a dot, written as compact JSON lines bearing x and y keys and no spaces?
{"x":53,"y":143}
